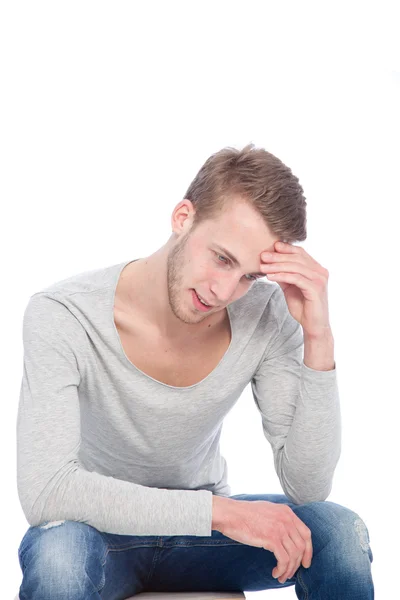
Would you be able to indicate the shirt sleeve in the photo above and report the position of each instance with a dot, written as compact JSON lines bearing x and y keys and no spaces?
{"x":300,"y":411}
{"x":51,"y":483}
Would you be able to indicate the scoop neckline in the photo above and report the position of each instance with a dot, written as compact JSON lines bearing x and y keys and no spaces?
{"x":224,"y":358}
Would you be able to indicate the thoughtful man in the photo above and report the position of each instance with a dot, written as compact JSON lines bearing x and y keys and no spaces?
{"x":129,"y":372}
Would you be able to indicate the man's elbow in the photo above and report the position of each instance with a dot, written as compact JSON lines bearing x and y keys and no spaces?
{"x":304,"y":497}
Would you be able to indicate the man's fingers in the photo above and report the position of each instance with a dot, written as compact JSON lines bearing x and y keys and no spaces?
{"x":305,"y":533}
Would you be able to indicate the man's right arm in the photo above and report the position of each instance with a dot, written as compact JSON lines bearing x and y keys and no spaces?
{"x":52,"y":484}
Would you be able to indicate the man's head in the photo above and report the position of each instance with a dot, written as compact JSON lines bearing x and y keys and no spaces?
{"x":239,"y":204}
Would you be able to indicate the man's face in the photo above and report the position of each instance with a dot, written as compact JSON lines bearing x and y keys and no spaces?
{"x":197,"y":261}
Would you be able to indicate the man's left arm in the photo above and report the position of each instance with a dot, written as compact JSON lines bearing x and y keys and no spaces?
{"x":298,"y":395}
{"x":300,"y":413}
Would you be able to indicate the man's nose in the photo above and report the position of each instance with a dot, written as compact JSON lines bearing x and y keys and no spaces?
{"x":224,"y":290}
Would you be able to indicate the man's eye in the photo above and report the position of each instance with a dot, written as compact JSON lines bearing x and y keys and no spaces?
{"x":251,"y":277}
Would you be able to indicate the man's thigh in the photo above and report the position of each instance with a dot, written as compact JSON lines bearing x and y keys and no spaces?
{"x":215,"y":563}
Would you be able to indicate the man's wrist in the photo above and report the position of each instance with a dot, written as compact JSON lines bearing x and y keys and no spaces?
{"x":319,"y":352}
{"x":221,"y":508}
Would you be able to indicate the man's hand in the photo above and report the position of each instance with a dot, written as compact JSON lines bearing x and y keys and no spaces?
{"x":304,"y":283}
{"x":269,"y":525}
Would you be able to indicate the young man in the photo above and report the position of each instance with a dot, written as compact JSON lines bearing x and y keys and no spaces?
{"x":129,"y":372}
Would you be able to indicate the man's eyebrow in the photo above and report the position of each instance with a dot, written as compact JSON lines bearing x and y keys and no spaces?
{"x":234,"y":259}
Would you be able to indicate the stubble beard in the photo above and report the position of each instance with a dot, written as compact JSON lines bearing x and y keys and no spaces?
{"x":175,"y":266}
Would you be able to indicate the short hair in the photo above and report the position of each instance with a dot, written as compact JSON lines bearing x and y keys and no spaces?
{"x":255,"y":176}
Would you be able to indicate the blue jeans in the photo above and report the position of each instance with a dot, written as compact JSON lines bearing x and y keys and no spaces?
{"x":69,"y":560}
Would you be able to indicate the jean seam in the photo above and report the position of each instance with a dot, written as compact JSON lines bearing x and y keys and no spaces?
{"x":103,"y":562}
{"x":303,"y":585}
{"x":103,"y":574}
{"x":123,"y":548}
{"x":153,"y":563}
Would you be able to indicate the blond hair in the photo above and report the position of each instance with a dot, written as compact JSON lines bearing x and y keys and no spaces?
{"x":256,"y":176}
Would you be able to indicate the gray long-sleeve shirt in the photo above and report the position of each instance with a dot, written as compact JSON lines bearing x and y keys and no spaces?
{"x":101,"y":442}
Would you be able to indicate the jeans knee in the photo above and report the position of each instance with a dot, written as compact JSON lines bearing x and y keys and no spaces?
{"x":363,"y":536}
{"x":353,"y":525}
{"x":63,"y":555}
{"x":346,"y":530}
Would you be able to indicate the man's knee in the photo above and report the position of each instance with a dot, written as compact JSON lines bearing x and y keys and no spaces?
{"x":61,"y":543}
{"x":58,"y":554}
{"x":339,"y":526}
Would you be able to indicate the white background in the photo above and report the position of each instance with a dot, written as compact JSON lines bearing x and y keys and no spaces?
{"x":108,"y":110}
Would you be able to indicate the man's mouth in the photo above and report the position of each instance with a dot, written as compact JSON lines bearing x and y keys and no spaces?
{"x":203,"y":301}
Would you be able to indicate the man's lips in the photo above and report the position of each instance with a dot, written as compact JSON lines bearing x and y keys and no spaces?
{"x":204,"y":300}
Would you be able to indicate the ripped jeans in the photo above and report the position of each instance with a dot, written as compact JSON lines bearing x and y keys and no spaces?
{"x":69,"y":560}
